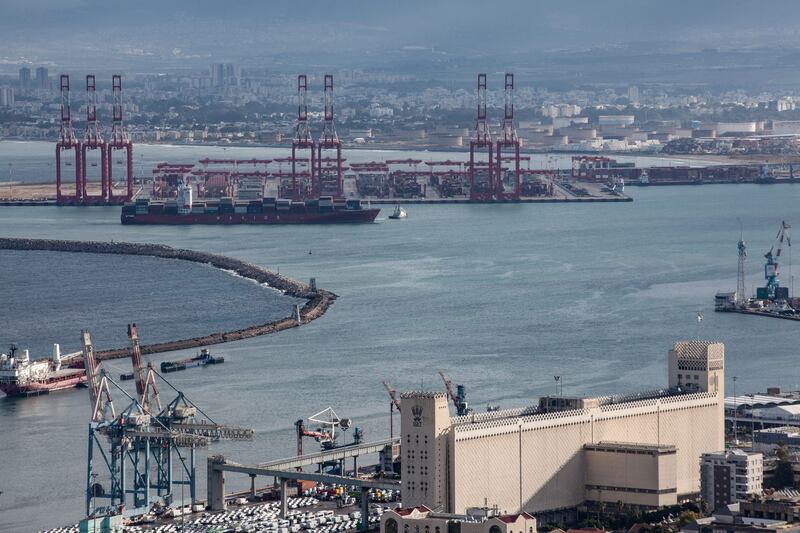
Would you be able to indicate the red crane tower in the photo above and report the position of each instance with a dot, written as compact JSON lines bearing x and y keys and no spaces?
{"x":92,"y":141}
{"x":119,"y":141}
{"x":330,"y":177}
{"x":302,"y":140}
{"x":66,"y":142}
{"x":394,"y":403}
{"x":146,"y":386}
{"x":510,"y":140}
{"x":480,"y":180}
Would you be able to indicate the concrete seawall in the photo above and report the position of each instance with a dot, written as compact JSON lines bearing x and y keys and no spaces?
{"x":316,"y":302}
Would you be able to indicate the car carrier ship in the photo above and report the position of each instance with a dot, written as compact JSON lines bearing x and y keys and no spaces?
{"x":182,"y":210}
{"x":21,"y":376}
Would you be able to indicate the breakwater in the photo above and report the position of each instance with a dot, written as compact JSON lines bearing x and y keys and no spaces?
{"x":317,"y":301}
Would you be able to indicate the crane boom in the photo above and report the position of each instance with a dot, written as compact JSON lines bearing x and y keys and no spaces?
{"x":773,"y":260}
{"x":393,"y":395}
{"x":145,"y":377}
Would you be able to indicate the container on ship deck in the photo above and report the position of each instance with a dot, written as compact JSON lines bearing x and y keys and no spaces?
{"x":226,"y":200}
{"x":339,"y":202}
{"x":312,"y":204}
{"x":212,"y":209}
{"x":156,"y":209}
{"x":240,"y":209}
{"x":268,"y":202}
{"x":198,"y":209}
{"x":170,"y":209}
{"x":298,"y":207}
{"x":142,"y":201}
{"x":353,"y":205}
{"x":283,"y":205}
{"x":326,"y":200}
{"x":141,"y":209}
{"x":255,"y":208}
{"x":226,"y":209}
{"x":128,"y":208}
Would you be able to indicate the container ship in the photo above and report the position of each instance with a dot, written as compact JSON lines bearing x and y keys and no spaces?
{"x":21,"y":376}
{"x":204,"y":358}
{"x":324,"y":210}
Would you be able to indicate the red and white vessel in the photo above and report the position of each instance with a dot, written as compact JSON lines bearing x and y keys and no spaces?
{"x":21,"y":376}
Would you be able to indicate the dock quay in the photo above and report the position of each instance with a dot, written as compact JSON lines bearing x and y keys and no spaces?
{"x":317,"y":300}
{"x":284,"y":470}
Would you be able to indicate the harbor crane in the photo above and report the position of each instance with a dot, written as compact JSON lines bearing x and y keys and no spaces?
{"x":303,"y":141}
{"x":741,"y":296}
{"x":97,"y":381}
{"x":138,"y":449}
{"x":481,"y":142}
{"x":394,"y":403}
{"x":773,"y":291}
{"x":458,"y":396}
{"x":146,"y":386}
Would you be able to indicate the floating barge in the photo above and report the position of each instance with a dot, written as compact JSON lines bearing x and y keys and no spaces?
{"x":204,"y":358}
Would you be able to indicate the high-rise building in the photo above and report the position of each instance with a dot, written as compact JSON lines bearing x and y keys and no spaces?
{"x":24,"y":79}
{"x":729,"y":476}
{"x":633,"y":94}
{"x":224,"y":74}
{"x":42,"y":78}
{"x":217,"y":74}
{"x":6,"y":97}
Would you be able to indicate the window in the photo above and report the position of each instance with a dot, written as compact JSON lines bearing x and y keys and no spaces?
{"x":405,"y":528}
{"x":391,"y":526}
{"x":427,"y":529}
{"x":495,"y":529}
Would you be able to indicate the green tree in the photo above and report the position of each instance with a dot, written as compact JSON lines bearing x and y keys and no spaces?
{"x":784,"y":475}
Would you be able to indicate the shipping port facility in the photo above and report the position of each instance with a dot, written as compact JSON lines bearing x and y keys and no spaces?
{"x":313,"y":174}
{"x":771,"y":300}
{"x":315,"y":168}
{"x":663,"y":432}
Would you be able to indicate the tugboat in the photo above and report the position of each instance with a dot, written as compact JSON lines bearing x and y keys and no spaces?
{"x":399,"y":213}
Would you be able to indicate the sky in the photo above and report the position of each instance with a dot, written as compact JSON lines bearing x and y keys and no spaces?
{"x":253,"y":31}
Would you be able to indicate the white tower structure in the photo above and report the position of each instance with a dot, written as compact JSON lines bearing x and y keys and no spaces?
{"x":741,"y":295}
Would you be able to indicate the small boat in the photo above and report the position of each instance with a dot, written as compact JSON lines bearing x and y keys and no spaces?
{"x":399,"y":213}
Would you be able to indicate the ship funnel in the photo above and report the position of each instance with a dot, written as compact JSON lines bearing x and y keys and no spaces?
{"x":57,"y":356}
{"x":26,"y":356}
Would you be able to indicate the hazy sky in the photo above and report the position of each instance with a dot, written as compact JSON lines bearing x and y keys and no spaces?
{"x":253,"y":30}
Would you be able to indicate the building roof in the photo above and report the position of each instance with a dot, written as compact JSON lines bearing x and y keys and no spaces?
{"x":631,"y":446}
{"x":757,"y":401}
{"x":511,"y":518}
{"x":693,"y":349}
{"x":405,"y":511}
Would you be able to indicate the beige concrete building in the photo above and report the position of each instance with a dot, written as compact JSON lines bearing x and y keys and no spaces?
{"x":420,"y":519}
{"x":642,"y":449}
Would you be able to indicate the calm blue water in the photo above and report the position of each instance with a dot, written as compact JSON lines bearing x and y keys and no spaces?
{"x":168,"y":299}
{"x":501,"y":298}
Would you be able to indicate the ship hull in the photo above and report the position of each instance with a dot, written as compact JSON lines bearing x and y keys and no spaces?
{"x":360,"y":216}
{"x":43,"y":387}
